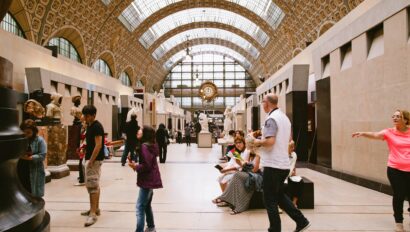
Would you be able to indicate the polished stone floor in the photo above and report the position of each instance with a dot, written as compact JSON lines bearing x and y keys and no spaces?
{"x":184,"y":204}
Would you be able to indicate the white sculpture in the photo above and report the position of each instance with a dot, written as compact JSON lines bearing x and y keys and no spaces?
{"x":227,"y":120}
{"x":161,"y":101}
{"x":53,"y":108}
{"x":133,"y":110}
{"x":203,"y":120}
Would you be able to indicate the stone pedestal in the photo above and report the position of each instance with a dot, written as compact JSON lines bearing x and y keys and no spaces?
{"x":239,"y":121}
{"x":72,"y":164}
{"x":18,"y":209}
{"x":48,"y":176}
{"x":205,"y":140}
{"x":74,"y":132}
{"x":56,"y":151}
{"x":118,"y":153}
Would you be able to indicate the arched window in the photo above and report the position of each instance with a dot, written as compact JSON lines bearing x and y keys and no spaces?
{"x":230,"y":77}
{"x":139,"y":84}
{"x":10,"y":24}
{"x":102,"y":66}
{"x":65,"y":48}
{"x":125,"y":79}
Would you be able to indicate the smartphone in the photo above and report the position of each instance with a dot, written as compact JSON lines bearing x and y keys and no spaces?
{"x":219,"y":167}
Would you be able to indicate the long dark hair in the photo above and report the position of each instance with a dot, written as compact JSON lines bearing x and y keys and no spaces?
{"x":148,"y":135}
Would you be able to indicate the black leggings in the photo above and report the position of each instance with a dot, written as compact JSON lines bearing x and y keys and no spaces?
{"x":162,"y":152}
{"x":400,"y":183}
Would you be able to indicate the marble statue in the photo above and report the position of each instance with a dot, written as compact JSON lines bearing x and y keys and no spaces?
{"x":161,"y":101}
{"x":228,"y":120}
{"x":133,"y":110}
{"x":34,"y":109}
{"x":203,"y":120}
{"x":75,"y":110}
{"x":53,"y":108}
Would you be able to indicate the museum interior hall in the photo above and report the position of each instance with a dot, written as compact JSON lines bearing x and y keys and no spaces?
{"x":204,"y":115}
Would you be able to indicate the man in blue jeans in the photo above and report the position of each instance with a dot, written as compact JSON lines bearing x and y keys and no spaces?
{"x":276,"y":135}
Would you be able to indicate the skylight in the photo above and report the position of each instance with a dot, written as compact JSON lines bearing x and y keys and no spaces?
{"x":139,"y":10}
{"x":208,"y":48}
{"x":203,"y":15}
{"x":205,"y":33}
{"x":106,"y":2}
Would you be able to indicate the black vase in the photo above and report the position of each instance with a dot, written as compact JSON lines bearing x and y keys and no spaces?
{"x":19,"y":211}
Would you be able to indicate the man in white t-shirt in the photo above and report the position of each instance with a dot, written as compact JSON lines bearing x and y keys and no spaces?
{"x":273,"y":148}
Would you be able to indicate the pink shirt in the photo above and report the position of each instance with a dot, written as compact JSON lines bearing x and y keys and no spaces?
{"x":399,"y":147}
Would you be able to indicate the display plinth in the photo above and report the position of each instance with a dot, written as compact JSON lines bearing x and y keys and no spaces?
{"x":74,"y":132}
{"x":72,"y":164}
{"x":48,"y":176}
{"x":205,"y":140}
{"x":56,"y":151}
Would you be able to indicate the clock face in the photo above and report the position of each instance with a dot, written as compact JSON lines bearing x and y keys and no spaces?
{"x":208,"y":91}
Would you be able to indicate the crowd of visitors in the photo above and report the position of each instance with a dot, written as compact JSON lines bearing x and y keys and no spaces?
{"x":262,"y":161}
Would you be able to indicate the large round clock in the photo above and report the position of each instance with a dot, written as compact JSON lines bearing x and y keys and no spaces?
{"x":208,"y":91}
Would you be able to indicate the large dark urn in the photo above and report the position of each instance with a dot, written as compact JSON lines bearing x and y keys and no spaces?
{"x":19,"y":211}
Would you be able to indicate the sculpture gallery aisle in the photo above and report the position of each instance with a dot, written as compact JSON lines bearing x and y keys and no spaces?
{"x":190,"y":184}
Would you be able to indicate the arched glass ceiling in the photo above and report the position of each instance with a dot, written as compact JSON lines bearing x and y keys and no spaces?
{"x":208,"y":48}
{"x":199,"y":57}
{"x":203,"y":15}
{"x":139,"y":10}
{"x":205,"y":33}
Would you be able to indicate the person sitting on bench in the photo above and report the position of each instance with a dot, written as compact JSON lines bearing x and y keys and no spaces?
{"x":237,"y":195}
{"x":236,"y":157}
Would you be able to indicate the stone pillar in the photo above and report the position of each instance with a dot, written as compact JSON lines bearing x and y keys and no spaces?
{"x":18,"y":209}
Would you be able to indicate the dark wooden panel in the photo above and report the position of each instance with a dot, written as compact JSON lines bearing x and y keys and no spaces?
{"x":324,"y":132}
{"x":296,"y":110}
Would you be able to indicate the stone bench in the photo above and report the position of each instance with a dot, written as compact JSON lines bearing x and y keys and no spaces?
{"x":307,"y":200}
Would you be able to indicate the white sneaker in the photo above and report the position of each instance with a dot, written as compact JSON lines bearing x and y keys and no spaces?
{"x":399,"y":227}
{"x":280,"y":210}
{"x":90,"y":220}
{"x":79,"y":184}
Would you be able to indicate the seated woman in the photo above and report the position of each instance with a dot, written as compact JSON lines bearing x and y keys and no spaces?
{"x":237,"y":194}
{"x":294,"y":186}
{"x":234,"y":164}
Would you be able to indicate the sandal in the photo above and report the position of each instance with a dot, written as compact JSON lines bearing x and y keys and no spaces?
{"x":222,"y":204}
{"x":216,"y":201}
{"x":233,"y":212}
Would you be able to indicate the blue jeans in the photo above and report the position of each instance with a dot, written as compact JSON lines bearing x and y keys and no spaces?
{"x":125,"y":154}
{"x":144,"y":209}
{"x":274,"y":195}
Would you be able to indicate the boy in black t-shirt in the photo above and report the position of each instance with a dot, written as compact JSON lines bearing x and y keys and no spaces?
{"x":94,"y":157}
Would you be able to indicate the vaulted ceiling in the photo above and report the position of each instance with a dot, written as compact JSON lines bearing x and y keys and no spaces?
{"x":146,"y":38}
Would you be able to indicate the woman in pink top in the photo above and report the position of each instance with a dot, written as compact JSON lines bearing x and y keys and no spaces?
{"x":398,"y":165}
